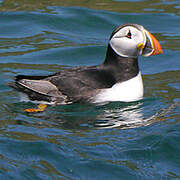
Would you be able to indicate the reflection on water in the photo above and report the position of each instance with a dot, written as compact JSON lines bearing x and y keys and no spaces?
{"x":113,"y":115}
{"x":83,"y":141}
{"x":131,"y":116}
{"x":123,"y":117}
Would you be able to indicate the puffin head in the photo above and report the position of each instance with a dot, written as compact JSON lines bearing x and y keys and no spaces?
{"x":132,"y":40}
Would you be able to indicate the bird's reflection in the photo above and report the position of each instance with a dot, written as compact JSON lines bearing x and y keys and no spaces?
{"x":99,"y":117}
{"x":133,"y":116}
{"x":78,"y":117}
{"x":123,"y":117}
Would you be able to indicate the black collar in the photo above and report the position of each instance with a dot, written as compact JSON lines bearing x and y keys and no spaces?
{"x":123,"y":68}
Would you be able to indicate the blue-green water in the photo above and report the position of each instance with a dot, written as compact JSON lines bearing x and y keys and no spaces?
{"x":116,"y":141}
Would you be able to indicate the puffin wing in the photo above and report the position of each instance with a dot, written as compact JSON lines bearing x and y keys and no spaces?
{"x":37,"y":84}
{"x":40,"y":86}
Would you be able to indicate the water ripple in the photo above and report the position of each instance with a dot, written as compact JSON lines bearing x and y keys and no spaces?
{"x":115,"y":141}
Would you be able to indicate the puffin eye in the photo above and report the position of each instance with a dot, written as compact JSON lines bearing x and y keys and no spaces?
{"x":128,"y":35}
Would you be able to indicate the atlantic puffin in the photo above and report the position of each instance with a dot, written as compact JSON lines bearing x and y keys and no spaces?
{"x":118,"y":78}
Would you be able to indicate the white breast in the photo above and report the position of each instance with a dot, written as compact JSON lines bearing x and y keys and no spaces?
{"x":130,"y":90}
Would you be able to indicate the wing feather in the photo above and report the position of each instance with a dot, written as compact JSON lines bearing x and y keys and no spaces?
{"x":40,"y":86}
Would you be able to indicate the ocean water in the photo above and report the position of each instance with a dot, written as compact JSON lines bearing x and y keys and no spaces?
{"x":138,"y":140}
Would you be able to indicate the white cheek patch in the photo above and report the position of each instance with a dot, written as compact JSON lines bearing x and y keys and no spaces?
{"x":124,"y":46}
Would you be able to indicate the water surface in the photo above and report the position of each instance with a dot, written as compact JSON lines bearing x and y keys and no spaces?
{"x":137,"y":140}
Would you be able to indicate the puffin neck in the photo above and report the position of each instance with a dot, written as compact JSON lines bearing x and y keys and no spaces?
{"x":123,"y":68}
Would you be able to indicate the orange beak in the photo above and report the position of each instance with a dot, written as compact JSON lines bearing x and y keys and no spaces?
{"x":152,"y":46}
{"x":157,"y":49}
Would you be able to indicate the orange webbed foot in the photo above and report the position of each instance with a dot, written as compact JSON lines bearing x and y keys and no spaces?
{"x":40,"y":108}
